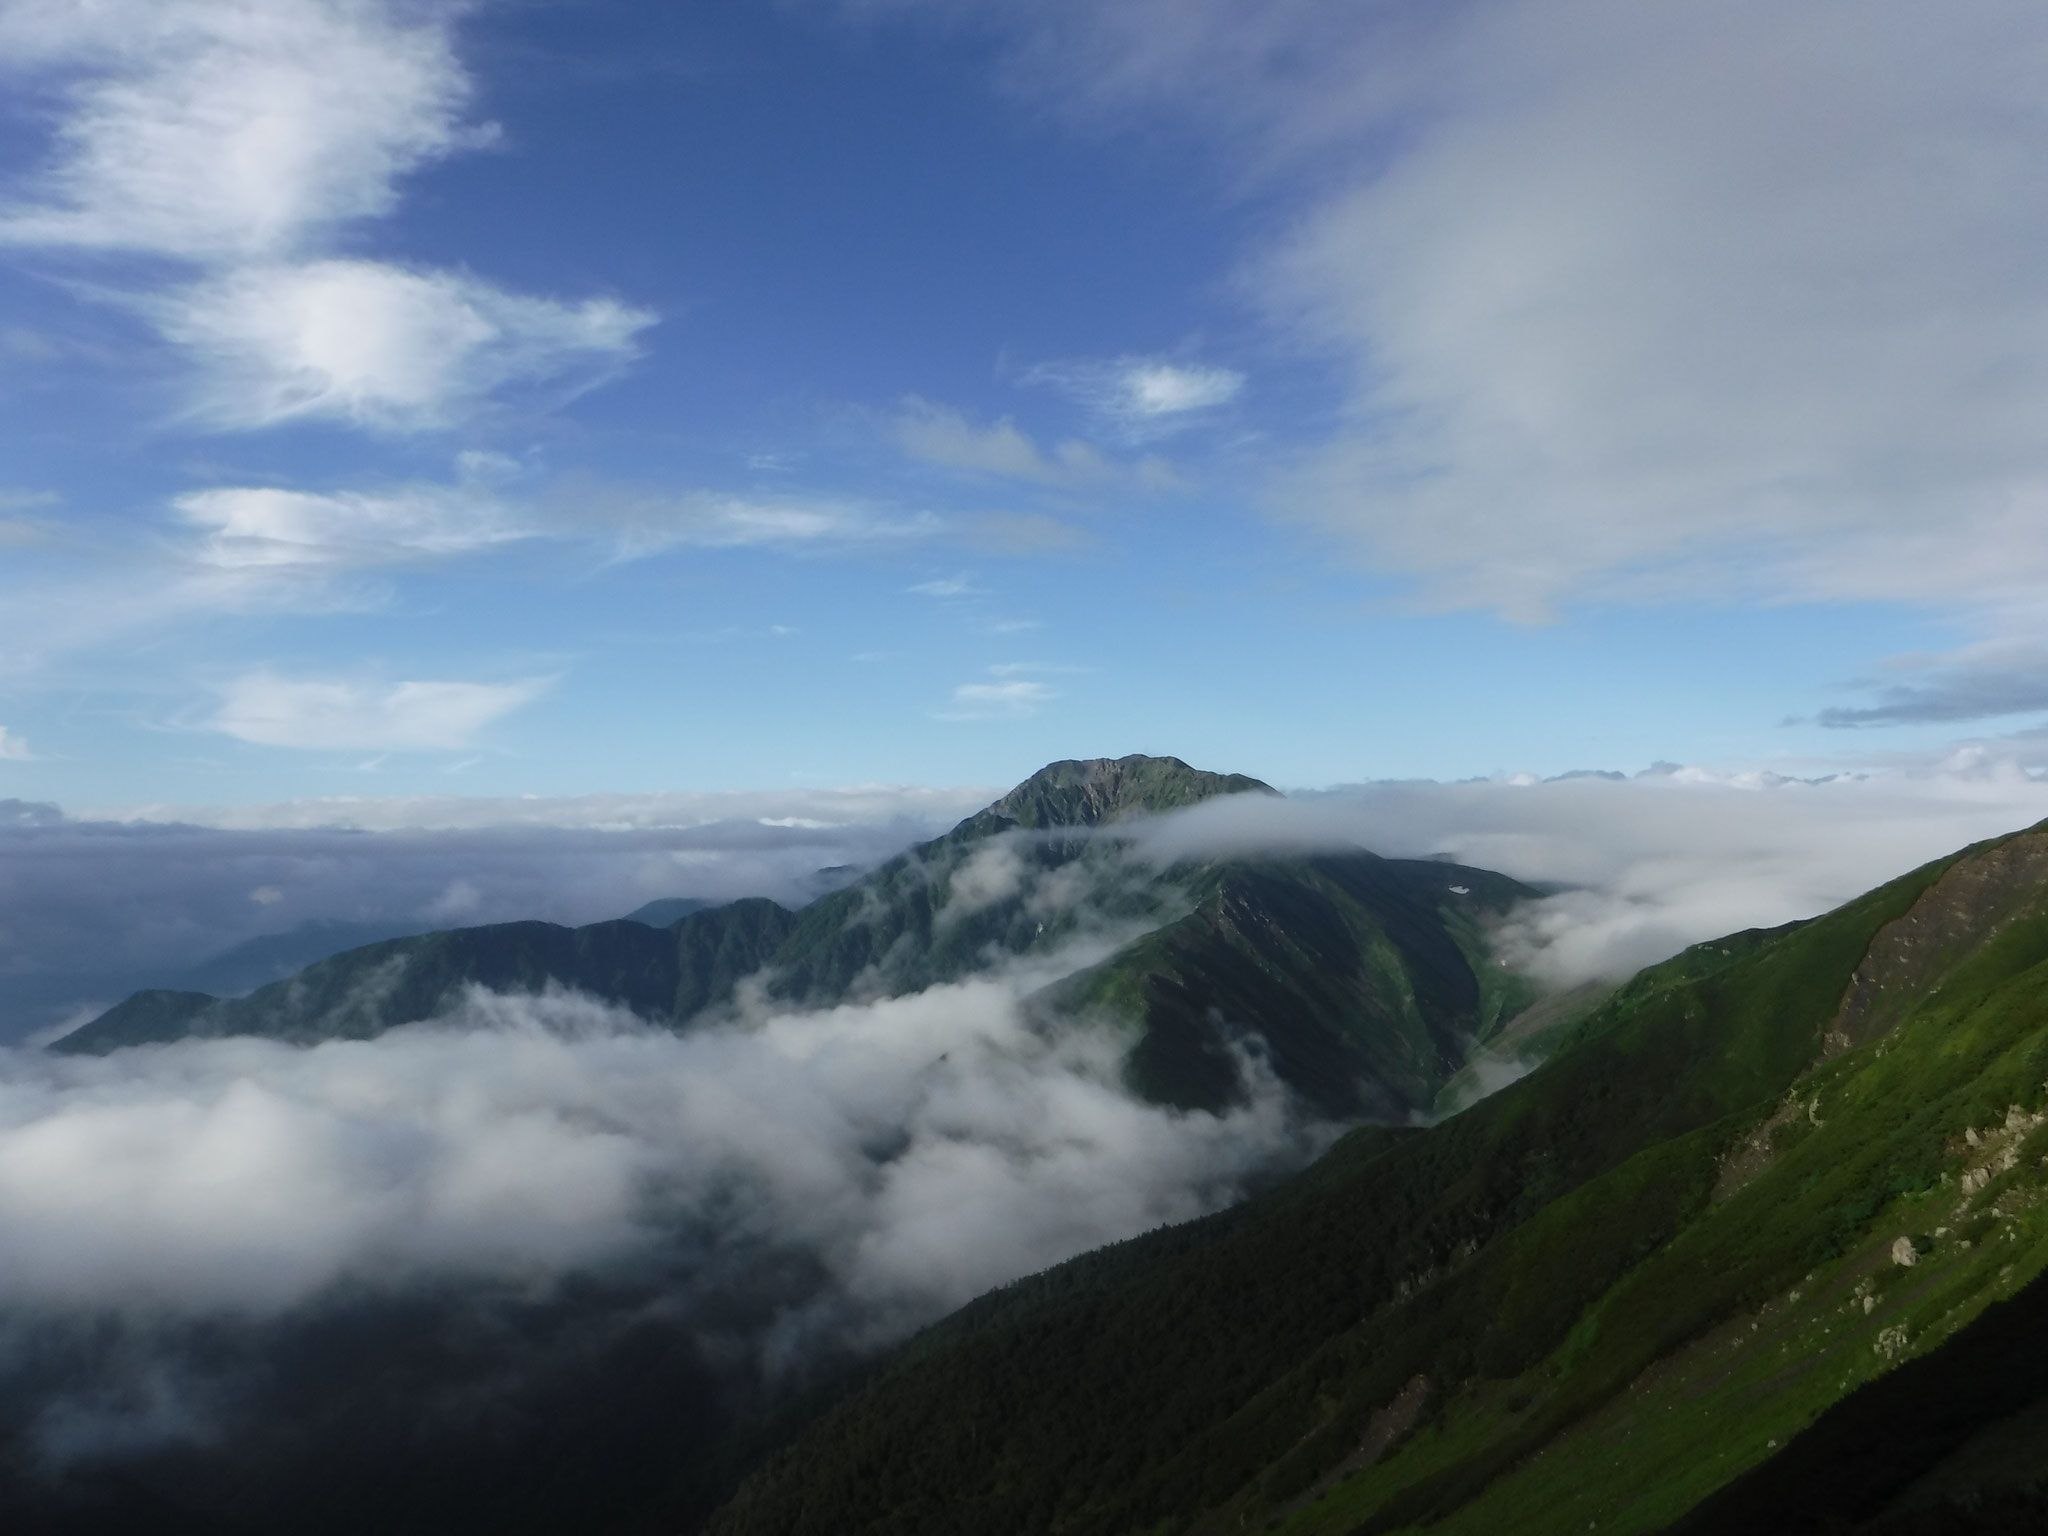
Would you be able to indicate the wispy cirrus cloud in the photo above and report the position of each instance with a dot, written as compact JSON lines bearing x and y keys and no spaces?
{"x":1010,"y":694}
{"x":268,"y":527}
{"x":380,"y":346}
{"x":339,"y":715}
{"x":257,"y":549}
{"x":233,"y":145}
{"x":1141,"y":397}
{"x":249,"y":549}
{"x":220,"y":132}
{"x":962,"y":585}
{"x":297,"y":533}
{"x":13,"y":749}
{"x":640,"y":520}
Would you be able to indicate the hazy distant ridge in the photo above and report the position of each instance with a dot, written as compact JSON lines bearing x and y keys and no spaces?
{"x":1363,"y":982}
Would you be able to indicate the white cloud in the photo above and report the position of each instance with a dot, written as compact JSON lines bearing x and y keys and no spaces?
{"x":1734,"y":300}
{"x":1727,"y":300}
{"x":1657,"y":861}
{"x":714,"y":520}
{"x":379,"y":346}
{"x":263,"y":549}
{"x":949,"y":586}
{"x":223,"y":131}
{"x":640,"y":520}
{"x":1164,"y":389}
{"x":13,"y":748}
{"x":276,"y":711}
{"x":268,"y":527}
{"x":267,"y":549}
{"x":1142,"y":397}
{"x":1008,"y":699}
{"x":240,"y":140}
{"x":259,"y":533}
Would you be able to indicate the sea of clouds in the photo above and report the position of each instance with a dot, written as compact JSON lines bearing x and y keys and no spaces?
{"x":921,"y":1148}
{"x":785,"y":1190}
{"x":784,"y":1186}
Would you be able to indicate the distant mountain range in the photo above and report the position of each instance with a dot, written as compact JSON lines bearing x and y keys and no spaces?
{"x":1758,"y":1247}
{"x":1365,"y":984}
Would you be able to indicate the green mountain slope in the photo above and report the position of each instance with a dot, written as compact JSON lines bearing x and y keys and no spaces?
{"x":1364,"y":983}
{"x":1369,"y":981}
{"x":661,"y":973}
{"x":1588,"y":1302}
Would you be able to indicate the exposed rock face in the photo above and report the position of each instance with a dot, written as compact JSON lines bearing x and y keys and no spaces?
{"x":1758,"y":1150}
{"x":1391,"y":1423}
{"x":1962,"y":911}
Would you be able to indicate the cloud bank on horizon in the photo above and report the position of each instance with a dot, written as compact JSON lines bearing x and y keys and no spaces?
{"x":95,"y":906}
{"x":1642,"y":866}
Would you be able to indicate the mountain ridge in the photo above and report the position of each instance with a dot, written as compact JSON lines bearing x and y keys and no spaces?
{"x":1373,"y":1017}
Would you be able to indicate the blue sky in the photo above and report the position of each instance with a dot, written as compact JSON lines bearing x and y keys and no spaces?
{"x":552,"y":399}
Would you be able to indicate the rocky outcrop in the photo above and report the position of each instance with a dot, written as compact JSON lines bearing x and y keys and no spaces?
{"x":1977,"y":898}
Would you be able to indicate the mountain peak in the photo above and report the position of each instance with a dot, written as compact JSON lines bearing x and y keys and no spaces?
{"x":1088,"y":792}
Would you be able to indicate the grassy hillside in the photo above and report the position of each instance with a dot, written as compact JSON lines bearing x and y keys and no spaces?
{"x":1593,"y":1299}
